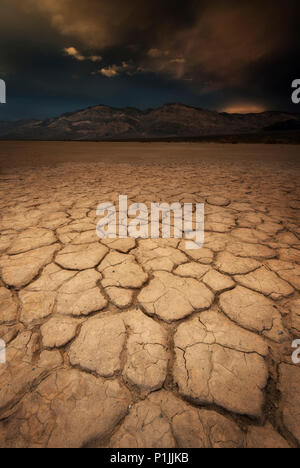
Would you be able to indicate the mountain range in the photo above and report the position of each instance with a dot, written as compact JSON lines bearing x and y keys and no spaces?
{"x":172,"y":120}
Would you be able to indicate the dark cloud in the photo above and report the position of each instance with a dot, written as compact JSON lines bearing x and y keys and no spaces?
{"x":220,"y":54}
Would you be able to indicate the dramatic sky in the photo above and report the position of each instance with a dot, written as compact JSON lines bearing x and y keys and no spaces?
{"x":61,"y":55}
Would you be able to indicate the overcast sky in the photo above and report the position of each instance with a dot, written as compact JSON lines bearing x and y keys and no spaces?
{"x":62,"y":55}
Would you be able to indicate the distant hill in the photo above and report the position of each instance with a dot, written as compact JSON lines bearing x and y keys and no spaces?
{"x":169,"y":121}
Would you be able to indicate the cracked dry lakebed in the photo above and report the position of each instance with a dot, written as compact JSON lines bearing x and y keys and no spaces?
{"x":141,"y":342}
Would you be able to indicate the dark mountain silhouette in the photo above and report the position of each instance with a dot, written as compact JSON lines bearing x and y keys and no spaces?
{"x":169,"y":121}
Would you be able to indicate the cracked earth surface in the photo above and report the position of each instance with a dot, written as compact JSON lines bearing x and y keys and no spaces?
{"x":140,"y":342}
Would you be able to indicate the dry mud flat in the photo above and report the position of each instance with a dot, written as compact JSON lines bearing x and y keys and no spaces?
{"x":141,"y":343}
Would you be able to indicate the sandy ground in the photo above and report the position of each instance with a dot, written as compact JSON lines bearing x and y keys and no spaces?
{"x":142,"y":343}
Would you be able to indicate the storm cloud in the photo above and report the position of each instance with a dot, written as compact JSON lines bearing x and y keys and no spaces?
{"x":225,"y":55}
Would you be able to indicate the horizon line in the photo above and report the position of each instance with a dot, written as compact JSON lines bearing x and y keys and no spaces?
{"x":149,"y":109}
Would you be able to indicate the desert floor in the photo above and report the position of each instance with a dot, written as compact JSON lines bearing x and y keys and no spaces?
{"x":142,"y":343}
